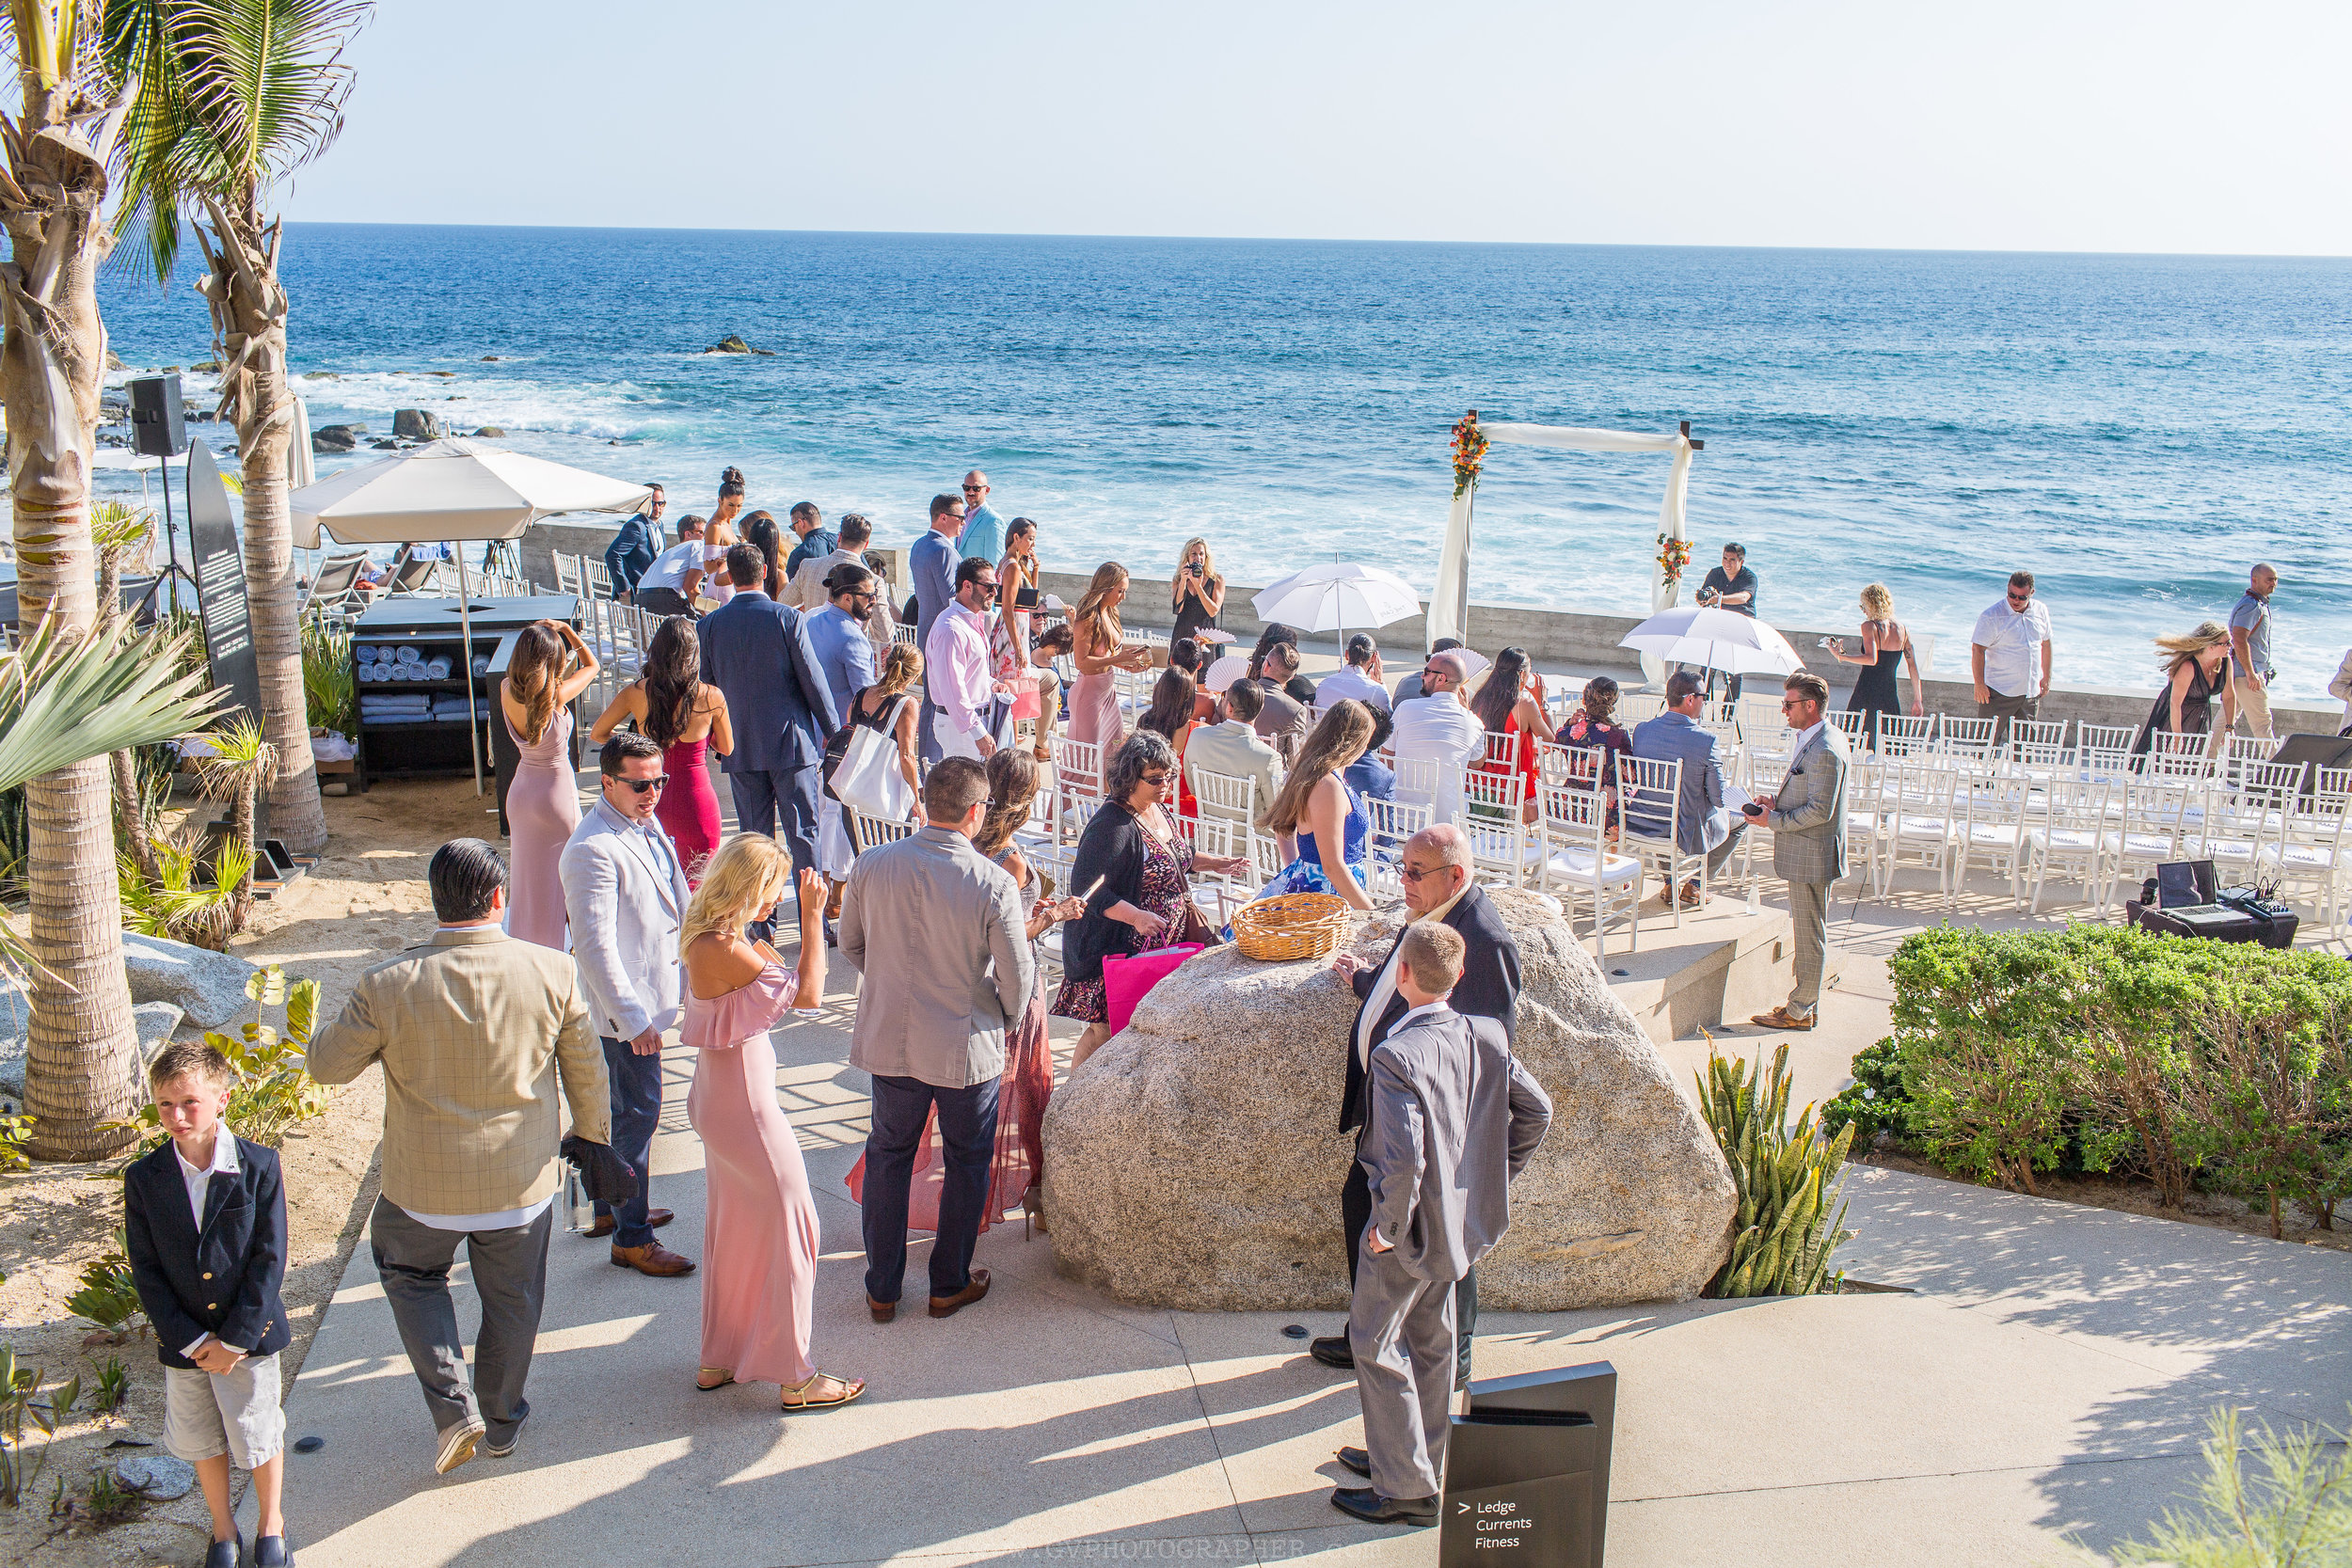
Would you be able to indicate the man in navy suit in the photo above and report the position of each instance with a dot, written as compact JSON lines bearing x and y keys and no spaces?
{"x":635,"y":547}
{"x":756,"y":651}
{"x":1704,"y":825}
{"x":933,"y":564}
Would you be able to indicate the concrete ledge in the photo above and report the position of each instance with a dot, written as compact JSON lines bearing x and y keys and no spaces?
{"x":1732,"y":965}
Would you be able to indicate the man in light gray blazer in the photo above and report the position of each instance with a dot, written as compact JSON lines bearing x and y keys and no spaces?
{"x":624,"y":895}
{"x":1453,"y":1119}
{"x":1704,"y":825}
{"x":1808,"y":822}
{"x":936,"y":930}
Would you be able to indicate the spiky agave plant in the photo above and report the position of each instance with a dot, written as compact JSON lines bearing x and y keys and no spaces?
{"x":1780,"y":1247}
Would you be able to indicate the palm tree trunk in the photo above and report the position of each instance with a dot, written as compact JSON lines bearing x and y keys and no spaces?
{"x":82,"y":1066}
{"x":250,"y":323}
{"x":130,"y":814}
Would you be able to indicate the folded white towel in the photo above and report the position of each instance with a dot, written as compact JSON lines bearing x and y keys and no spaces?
{"x":436,"y":668}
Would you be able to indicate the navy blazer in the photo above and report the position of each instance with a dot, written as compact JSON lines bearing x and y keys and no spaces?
{"x":223,"y":1279}
{"x":1489,"y":987}
{"x":633,"y":550}
{"x":756,"y":651}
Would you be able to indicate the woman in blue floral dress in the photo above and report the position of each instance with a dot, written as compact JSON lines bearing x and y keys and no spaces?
{"x":1329,"y":818}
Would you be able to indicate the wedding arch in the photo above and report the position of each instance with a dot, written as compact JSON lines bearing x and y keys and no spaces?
{"x":1449,"y":601}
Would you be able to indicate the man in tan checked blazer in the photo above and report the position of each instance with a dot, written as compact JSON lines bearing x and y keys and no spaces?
{"x":1808,"y":822}
{"x":473,"y":1030}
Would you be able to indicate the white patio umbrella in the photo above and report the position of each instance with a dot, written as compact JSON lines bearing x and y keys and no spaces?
{"x":453,"y":492}
{"x":1717,"y":638}
{"x":1336,"y":595}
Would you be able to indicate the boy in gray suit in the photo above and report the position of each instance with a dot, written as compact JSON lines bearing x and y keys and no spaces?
{"x":1808,"y":822}
{"x":1454,"y":1118}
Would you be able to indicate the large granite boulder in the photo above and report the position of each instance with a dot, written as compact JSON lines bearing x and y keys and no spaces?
{"x":209,"y":987}
{"x":1195,"y":1162}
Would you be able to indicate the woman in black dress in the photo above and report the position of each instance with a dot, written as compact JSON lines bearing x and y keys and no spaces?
{"x":1197,"y":594}
{"x":2194,"y":666}
{"x":1885,"y":641}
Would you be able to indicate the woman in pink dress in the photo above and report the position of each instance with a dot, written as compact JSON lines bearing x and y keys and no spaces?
{"x":671,"y":705}
{"x":759,"y":1231}
{"x":551,"y":667}
{"x":1100,"y":649}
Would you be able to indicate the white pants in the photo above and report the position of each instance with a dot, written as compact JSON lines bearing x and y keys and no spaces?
{"x":834,"y":850}
{"x":952,"y":743}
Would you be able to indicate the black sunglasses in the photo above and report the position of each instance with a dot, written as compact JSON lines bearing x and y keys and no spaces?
{"x":974,"y":489}
{"x":638,"y":786}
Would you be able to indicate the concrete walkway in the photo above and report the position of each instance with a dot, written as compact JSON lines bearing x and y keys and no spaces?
{"x":2050,"y":1376}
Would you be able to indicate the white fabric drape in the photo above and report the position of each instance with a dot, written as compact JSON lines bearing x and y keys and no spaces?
{"x":1449,"y":600}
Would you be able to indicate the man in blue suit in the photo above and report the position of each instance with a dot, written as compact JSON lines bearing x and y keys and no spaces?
{"x":635,"y":547}
{"x":756,"y":651}
{"x":1704,"y":825}
{"x":933,"y":564}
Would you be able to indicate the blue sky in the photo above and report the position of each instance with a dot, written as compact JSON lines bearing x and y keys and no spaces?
{"x":2061,"y":124}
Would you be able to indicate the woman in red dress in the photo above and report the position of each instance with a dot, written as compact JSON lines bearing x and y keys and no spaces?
{"x":1512,"y":704}
{"x":1171,"y":716}
{"x":671,"y":704}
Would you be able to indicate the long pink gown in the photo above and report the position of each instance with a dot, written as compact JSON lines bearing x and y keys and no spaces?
{"x":542,"y":809}
{"x":760,"y":1230}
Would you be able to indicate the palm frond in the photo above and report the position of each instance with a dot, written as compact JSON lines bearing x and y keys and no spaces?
{"x":64,"y":700}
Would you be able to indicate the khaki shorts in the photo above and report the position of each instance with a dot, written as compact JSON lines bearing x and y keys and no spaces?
{"x":206,"y":1415}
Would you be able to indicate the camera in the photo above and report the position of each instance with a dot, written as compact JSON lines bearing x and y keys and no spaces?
{"x":1193,"y":570}
{"x":1709,"y":595}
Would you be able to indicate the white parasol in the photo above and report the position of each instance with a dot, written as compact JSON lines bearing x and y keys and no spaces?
{"x":453,"y":491}
{"x":1717,"y":638}
{"x":1337,"y":595}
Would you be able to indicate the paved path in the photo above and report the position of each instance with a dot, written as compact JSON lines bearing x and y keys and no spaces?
{"x":2050,"y":1376}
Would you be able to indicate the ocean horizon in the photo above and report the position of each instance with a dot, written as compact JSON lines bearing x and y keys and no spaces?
{"x":2135,"y":430}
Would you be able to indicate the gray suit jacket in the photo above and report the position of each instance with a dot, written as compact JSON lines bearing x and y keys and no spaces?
{"x":937,"y":929}
{"x":1703,"y":820}
{"x":1808,"y":818}
{"x":624,"y":895}
{"x":1454,"y":1118}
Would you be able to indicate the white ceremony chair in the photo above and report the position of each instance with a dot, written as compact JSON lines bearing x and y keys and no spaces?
{"x":1995,"y":819}
{"x":1494,"y":818}
{"x":1865,"y":783}
{"x":1649,"y":806}
{"x":1971,"y":738}
{"x":2037,"y":731}
{"x":599,"y":575}
{"x":1575,"y":860}
{"x":2104,"y":737}
{"x":1636,"y":707}
{"x":1393,"y":823}
{"x":2071,"y":835}
{"x":1901,"y":736}
{"x":2158,"y":815}
{"x":2179,"y":757}
{"x":2245,"y":822}
{"x":568,"y":575}
{"x":2313,"y":850}
{"x":1922,"y":821}
{"x":1854,"y":722}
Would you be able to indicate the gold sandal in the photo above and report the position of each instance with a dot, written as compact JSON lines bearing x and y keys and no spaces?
{"x":852,"y":1389}
{"x":725,"y":1378}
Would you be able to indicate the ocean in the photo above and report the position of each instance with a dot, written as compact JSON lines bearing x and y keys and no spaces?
{"x":2135,"y":430}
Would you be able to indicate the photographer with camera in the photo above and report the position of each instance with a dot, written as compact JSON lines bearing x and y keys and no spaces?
{"x":1197,"y":594}
{"x":1730,"y":586}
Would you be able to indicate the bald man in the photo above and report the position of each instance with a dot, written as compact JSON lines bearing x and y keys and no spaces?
{"x":1437,"y":730}
{"x":983,"y":530}
{"x":2249,"y":651}
{"x":1438,"y":886}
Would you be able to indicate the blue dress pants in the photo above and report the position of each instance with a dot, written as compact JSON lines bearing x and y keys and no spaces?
{"x":967,"y":1126}
{"x":636,"y":1109}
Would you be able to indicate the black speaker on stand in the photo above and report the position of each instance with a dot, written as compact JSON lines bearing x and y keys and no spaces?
{"x":159,"y":428}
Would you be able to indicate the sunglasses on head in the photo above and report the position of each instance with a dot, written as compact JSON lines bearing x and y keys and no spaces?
{"x":638,"y":786}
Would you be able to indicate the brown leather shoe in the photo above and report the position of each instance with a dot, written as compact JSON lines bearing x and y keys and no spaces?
{"x":883,"y":1310}
{"x":605,"y":1227}
{"x":1781,"y":1018}
{"x":653,"y":1258}
{"x":947,"y":1306}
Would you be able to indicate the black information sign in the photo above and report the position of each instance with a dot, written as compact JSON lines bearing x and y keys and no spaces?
{"x":220,"y":585}
{"x":1526,"y":1472}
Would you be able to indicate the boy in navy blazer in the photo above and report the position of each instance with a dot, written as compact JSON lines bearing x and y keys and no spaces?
{"x":206,"y":1219}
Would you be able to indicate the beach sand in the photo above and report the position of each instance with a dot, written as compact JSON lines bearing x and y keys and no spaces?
{"x":365,"y":900}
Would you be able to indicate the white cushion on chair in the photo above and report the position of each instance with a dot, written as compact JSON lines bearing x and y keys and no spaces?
{"x":1577,"y":865}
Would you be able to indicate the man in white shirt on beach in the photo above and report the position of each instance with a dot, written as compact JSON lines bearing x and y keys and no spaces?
{"x":2251,"y":673}
{"x":955,"y":664}
{"x":1437,"y":730}
{"x":2010,"y":657}
{"x":1359,"y":677}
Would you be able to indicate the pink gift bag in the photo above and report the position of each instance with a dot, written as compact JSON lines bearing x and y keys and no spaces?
{"x":1127,"y":980}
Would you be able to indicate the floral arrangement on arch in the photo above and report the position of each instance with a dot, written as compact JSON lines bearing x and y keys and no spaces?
{"x":1469,"y":450}
{"x":1672,"y":555}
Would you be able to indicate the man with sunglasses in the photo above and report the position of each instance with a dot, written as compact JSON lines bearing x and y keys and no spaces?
{"x":1808,"y":822}
{"x":625,"y":895}
{"x":983,"y":530}
{"x":956,"y":665}
{"x":1438,"y":729}
{"x":2011,"y":639}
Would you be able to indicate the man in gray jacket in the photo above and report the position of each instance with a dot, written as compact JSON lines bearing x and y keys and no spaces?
{"x":1808,"y":822}
{"x":1454,"y":1118}
{"x":936,"y":928}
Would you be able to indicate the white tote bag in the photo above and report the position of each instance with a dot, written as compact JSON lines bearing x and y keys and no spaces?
{"x":868,"y":780}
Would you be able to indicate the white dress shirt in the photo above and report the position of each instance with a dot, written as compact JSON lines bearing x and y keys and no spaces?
{"x":955,"y":666}
{"x":1350,"y":682}
{"x":198,"y":1182}
{"x":670,"y":567}
{"x":2013,"y":647}
{"x":1439,"y":729}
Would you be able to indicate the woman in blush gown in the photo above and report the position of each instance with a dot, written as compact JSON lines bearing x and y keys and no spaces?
{"x":760,"y":1230}
{"x":711,"y":582}
{"x":671,"y":706}
{"x":551,"y":667}
{"x":1099,"y":649}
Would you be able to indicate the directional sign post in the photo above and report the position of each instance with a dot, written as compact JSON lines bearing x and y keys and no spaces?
{"x":1526,"y":1472}
{"x":221,"y":603}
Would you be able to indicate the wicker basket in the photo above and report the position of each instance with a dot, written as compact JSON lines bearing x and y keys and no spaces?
{"x":1294,"y":926}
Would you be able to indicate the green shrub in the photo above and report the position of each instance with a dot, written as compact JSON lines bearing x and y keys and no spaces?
{"x":273,"y":1090}
{"x":329,"y":684}
{"x":2106,"y":1047}
{"x":2297,"y":1515}
{"x":109,"y":1297}
{"x":1876,"y":1101}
